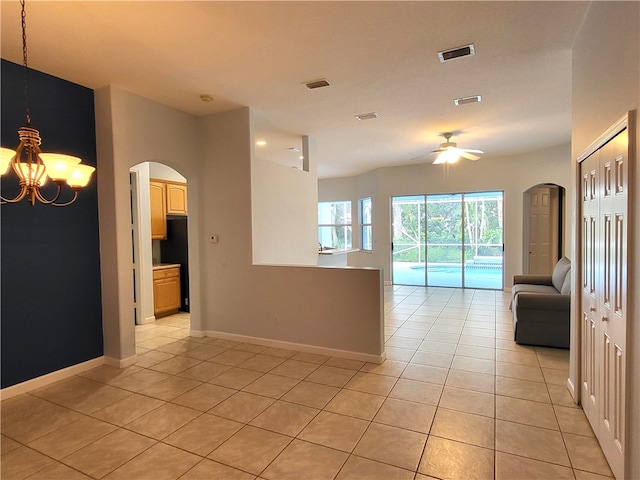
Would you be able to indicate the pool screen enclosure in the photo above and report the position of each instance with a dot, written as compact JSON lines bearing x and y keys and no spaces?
{"x":448,"y":240}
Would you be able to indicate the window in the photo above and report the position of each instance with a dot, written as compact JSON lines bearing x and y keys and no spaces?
{"x":366,"y":238}
{"x":334,"y":224}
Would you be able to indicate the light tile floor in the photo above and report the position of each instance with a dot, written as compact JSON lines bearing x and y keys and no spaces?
{"x":455,"y":399}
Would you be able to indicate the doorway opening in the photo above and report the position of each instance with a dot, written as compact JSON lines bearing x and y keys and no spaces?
{"x":160,"y":242}
{"x":448,"y":240}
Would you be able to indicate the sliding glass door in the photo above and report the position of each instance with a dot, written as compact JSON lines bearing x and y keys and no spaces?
{"x":408,"y":242}
{"x":444,"y":240}
{"x":448,"y":240}
{"x":483,"y":240}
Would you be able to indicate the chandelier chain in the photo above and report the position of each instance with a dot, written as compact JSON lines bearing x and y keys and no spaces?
{"x":24,"y":63}
{"x":31,"y":166}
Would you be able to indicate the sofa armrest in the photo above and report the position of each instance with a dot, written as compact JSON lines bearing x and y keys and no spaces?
{"x":543,"y":301}
{"x":532,"y":279}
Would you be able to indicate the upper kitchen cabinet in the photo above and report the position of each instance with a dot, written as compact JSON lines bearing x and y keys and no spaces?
{"x":176,"y":198}
{"x":157,"y":196}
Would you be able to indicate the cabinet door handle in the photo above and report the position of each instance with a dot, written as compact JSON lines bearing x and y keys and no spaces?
{"x":592,"y":309}
{"x":605,"y":319}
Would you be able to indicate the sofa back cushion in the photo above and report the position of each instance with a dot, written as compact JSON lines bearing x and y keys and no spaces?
{"x":560,"y":272}
{"x":566,"y":285}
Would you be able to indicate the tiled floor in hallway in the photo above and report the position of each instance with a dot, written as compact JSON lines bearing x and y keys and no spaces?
{"x":456,"y":398}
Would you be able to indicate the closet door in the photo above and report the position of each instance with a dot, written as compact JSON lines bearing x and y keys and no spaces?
{"x":604,"y":237}
{"x":613,"y":298}
{"x":590,"y":193}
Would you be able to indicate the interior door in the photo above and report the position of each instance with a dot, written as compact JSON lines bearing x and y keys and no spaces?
{"x":604,"y":295}
{"x":612,"y":302}
{"x":590,"y":357}
{"x":540,"y":231}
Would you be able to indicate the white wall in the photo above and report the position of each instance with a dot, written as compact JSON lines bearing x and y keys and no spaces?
{"x":304,"y":306}
{"x":606,"y":84}
{"x":130,"y":130}
{"x":285,"y":210}
{"x":513,"y":175}
{"x":163,"y":172}
{"x":338,"y":310}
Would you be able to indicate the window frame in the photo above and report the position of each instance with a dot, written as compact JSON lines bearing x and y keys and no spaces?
{"x":365,"y":225}
{"x":346,"y":227}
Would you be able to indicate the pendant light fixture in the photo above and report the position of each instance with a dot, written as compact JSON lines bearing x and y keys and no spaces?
{"x":34,"y":168}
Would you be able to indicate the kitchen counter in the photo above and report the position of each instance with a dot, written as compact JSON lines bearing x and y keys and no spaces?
{"x":335,"y":251}
{"x":161,"y":266}
{"x":334,"y":257}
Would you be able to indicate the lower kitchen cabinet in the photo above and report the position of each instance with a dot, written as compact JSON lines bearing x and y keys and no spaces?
{"x":166,"y":290}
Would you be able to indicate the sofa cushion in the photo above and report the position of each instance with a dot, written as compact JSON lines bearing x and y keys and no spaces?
{"x":560,"y":272}
{"x":525,"y":287}
{"x":566,"y":285}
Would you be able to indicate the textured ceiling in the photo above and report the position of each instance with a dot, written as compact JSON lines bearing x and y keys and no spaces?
{"x":378,"y":56}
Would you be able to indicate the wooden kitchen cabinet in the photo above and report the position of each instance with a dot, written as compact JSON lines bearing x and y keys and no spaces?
{"x":157,"y":203}
{"x":166,"y":291}
{"x":176,"y":198}
{"x":165,"y":198}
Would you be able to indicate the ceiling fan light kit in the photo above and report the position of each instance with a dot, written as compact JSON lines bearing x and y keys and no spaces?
{"x":448,"y":152}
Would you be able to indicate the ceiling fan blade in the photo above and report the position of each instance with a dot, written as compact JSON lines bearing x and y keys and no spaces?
{"x":419,"y":159}
{"x":473,"y":151}
{"x":469,"y":156}
{"x":438,"y":150}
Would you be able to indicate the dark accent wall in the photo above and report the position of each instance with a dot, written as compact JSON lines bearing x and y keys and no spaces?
{"x":51,"y":306}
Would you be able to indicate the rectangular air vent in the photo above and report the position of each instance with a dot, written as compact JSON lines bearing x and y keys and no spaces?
{"x":367,"y":116}
{"x":464,"y":51}
{"x":317,"y":84}
{"x":466,"y":100}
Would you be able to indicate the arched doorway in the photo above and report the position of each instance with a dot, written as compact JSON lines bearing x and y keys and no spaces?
{"x":543,"y":219}
{"x":155,"y":190}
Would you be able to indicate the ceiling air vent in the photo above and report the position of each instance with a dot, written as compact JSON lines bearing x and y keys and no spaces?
{"x":457,"y":53}
{"x":466,"y":100}
{"x":367,"y":116}
{"x":317,"y":84}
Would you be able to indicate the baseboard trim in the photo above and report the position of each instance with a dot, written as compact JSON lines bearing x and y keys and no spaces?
{"x":300,"y":347}
{"x":150,"y":319}
{"x":572,"y":390}
{"x":120,"y":363}
{"x":50,"y":378}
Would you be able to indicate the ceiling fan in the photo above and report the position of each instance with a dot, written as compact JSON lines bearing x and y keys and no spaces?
{"x":448,"y":152}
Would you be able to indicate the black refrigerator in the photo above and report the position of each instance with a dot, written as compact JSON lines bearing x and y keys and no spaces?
{"x":175,"y":249}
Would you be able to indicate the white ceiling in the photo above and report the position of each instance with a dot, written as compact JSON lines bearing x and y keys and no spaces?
{"x":378,"y":56}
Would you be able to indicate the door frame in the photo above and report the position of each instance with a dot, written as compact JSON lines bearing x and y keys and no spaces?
{"x":558,"y":225}
{"x":628,"y":122}
{"x":625,"y":122}
{"x":425,"y":202}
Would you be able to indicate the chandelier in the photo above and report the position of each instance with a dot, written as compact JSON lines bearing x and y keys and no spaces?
{"x":34,"y":168}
